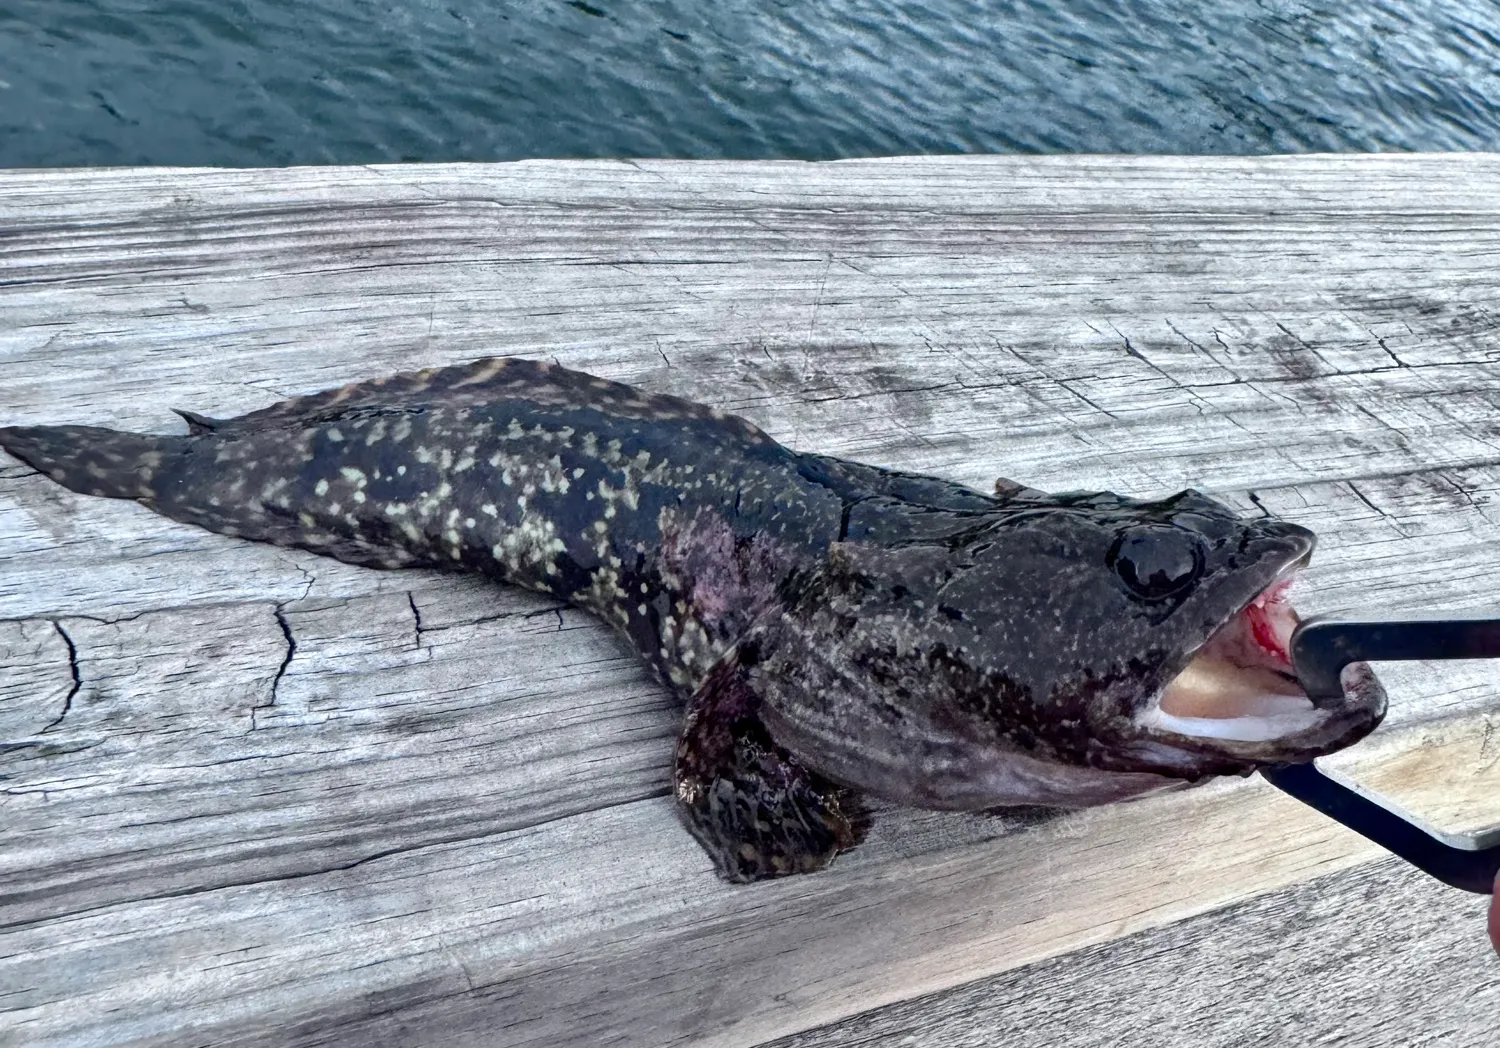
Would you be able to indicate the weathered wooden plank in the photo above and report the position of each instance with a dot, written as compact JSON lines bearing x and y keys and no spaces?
{"x":267,"y":798}
{"x":561,"y":933}
{"x":1379,"y":957}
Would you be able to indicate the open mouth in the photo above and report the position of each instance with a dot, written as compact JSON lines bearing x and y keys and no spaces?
{"x":1240,"y":686}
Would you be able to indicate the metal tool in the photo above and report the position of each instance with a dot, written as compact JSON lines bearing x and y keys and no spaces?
{"x":1320,"y":649}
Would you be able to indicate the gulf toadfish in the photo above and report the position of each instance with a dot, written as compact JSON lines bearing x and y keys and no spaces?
{"x":833,"y":628}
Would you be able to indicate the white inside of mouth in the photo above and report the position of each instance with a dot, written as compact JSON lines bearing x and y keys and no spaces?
{"x":1239,"y":686}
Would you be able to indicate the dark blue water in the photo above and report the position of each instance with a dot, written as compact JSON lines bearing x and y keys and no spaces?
{"x":267,"y":82}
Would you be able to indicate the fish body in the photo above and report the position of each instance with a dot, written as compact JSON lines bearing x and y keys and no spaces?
{"x":832,"y":627}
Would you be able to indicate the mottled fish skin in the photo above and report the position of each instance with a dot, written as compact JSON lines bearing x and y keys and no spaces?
{"x":529,"y":473}
{"x":831,"y":626}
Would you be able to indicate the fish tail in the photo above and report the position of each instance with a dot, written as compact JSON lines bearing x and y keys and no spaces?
{"x":94,"y":461}
{"x":185,"y":478}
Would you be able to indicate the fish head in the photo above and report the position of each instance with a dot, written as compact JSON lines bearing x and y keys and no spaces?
{"x":1154,"y":635}
{"x":1086,"y":631}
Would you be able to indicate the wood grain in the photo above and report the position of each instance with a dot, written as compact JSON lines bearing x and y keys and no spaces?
{"x":249,"y":796}
{"x":1377,"y":957}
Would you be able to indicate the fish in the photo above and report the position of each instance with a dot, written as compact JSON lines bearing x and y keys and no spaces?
{"x":837,"y":632}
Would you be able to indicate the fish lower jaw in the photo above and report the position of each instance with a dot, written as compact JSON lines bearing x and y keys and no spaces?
{"x":1272,"y":717}
{"x":1278,"y":730}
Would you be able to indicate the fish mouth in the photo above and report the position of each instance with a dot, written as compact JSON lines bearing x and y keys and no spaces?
{"x":1238,"y":695}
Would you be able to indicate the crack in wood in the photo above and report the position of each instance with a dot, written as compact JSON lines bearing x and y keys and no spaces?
{"x":291,"y":652}
{"x":1312,"y":349}
{"x":1366,"y":500}
{"x":72,"y":669}
{"x":416,"y":615}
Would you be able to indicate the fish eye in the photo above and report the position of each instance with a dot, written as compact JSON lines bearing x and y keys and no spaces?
{"x":1156,"y":561}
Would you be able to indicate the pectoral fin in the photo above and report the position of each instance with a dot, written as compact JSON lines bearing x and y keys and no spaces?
{"x":751,"y":805}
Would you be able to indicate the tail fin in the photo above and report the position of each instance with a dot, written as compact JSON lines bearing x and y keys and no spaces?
{"x":91,"y":460}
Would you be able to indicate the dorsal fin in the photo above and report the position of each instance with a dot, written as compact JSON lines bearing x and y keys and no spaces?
{"x":481,"y":382}
{"x":1005,"y":488}
{"x":198,"y":424}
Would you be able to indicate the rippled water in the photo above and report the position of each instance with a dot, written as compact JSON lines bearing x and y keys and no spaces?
{"x":256,"y":82}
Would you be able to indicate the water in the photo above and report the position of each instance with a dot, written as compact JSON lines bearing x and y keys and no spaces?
{"x":269,"y":82}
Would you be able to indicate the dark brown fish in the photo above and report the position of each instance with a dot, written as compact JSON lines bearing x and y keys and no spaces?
{"x":832,"y":627}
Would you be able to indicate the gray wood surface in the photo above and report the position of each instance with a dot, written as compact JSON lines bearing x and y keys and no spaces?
{"x":249,"y":796}
{"x":1378,"y":957}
